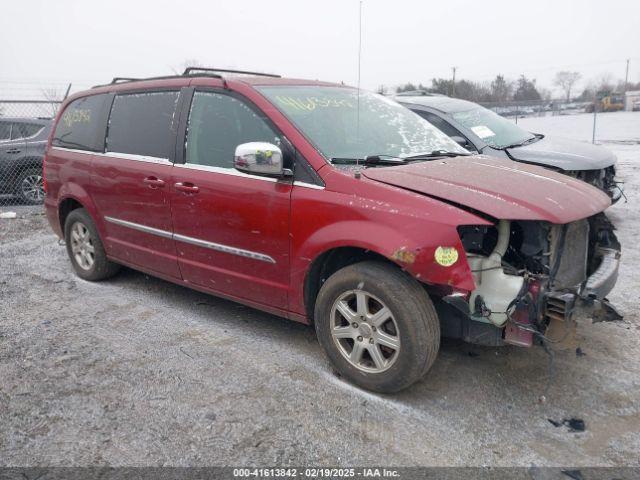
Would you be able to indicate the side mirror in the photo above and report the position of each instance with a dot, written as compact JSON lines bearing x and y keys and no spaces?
{"x":259,"y":158}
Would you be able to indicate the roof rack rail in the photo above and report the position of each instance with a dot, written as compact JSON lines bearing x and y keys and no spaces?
{"x":419,"y":93}
{"x":118,"y":80}
{"x":123,"y":79}
{"x":190,"y":70}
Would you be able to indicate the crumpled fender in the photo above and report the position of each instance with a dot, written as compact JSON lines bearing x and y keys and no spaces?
{"x":413,"y":249}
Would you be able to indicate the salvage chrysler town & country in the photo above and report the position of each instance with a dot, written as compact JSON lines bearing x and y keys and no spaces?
{"x":330,"y":206}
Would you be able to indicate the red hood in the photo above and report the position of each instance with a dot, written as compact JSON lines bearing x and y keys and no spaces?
{"x":498,"y":187}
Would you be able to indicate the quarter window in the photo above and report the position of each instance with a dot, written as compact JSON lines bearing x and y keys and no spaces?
{"x":143,"y":124}
{"x":218,"y":123}
{"x":81,"y":125}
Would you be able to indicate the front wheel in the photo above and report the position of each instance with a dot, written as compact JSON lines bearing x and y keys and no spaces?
{"x":377,"y":325}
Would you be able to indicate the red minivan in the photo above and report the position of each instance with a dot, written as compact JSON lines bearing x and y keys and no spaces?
{"x":327,"y":205}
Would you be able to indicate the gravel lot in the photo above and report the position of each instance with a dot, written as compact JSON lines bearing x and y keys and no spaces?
{"x":137,"y":371}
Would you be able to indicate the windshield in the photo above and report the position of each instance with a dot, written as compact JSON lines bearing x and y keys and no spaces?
{"x":330,"y":119}
{"x":493,"y":129}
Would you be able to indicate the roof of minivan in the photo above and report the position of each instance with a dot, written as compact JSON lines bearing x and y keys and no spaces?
{"x":255,"y":81}
{"x":171,"y":81}
{"x":444,"y":104}
{"x":178,"y":81}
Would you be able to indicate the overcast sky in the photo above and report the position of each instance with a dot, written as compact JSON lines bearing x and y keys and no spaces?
{"x":88,"y":42}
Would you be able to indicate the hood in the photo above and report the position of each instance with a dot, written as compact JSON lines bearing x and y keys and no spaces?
{"x":564,"y":153}
{"x":498,"y":187}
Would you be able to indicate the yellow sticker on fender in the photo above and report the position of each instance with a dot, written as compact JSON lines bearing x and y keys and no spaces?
{"x":446,"y":256}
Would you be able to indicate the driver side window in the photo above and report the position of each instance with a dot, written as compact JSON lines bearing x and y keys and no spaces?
{"x":217,"y":124}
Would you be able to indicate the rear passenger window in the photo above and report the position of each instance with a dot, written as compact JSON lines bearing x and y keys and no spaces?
{"x":31,"y":129}
{"x":5,"y":131}
{"x":143,"y":124}
{"x":218,"y":123}
{"x":17,"y":131}
{"x":81,"y":125}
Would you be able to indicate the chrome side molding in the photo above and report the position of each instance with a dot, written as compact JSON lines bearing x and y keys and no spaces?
{"x":141,"y":228}
{"x":193,"y":241}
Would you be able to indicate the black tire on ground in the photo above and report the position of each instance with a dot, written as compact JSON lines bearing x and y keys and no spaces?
{"x":29,"y":186}
{"x":100,"y":268}
{"x":418,"y":327}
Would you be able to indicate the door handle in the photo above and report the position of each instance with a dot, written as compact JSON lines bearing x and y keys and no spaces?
{"x":186,"y":187}
{"x":154,"y":182}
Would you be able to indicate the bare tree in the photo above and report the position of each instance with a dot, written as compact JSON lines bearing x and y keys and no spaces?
{"x":545,"y":93}
{"x":566,"y":81}
{"x":189,"y":62}
{"x":54,"y":97}
{"x":500,"y":89}
{"x":382,"y":90}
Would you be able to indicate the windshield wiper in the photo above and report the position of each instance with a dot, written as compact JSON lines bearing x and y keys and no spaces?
{"x":384,"y":159}
{"x":436,"y":154}
{"x":368,"y":160}
{"x":527,"y":141}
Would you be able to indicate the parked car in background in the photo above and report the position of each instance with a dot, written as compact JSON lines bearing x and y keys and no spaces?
{"x":22,"y":145}
{"x":330,"y":206}
{"x":480,"y":130}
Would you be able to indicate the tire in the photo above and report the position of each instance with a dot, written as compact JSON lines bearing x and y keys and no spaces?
{"x":400,"y":350}
{"x":85,"y":248}
{"x":29,"y":186}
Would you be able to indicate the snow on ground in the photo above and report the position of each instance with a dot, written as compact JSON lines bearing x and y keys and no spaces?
{"x":611,"y":127}
{"x":138,"y":371}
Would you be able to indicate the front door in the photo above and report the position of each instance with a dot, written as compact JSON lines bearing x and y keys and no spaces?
{"x":231,"y":229}
{"x":131,"y":181}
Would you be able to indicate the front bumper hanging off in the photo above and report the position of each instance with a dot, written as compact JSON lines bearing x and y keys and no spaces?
{"x":590,"y":301}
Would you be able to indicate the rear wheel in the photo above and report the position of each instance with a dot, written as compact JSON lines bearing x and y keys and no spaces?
{"x":377,"y":325}
{"x":30,"y":186}
{"x":85,"y":248}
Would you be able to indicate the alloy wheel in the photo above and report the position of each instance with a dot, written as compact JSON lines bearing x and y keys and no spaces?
{"x":365,"y":332}
{"x":82,"y":246}
{"x":32,"y":188}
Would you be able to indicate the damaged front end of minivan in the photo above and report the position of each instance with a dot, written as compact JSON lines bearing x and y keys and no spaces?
{"x":533,"y":279}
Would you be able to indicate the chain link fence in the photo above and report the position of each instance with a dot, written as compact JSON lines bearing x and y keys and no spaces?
{"x":538,"y":108}
{"x":24,"y":129}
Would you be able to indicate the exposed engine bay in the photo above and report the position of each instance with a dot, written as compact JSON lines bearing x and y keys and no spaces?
{"x":604,"y":179}
{"x":532,"y":277}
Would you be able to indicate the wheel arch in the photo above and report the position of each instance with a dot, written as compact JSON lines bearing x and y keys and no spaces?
{"x":65,"y":207}
{"x":20,"y":166}
{"x":73,"y":197}
{"x":329,"y":262}
{"x":340,"y":244}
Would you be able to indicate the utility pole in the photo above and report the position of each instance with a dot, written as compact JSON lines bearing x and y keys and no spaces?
{"x":453,"y":82}
{"x":626,"y":77}
{"x":624,"y":90}
{"x":596,"y":102}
